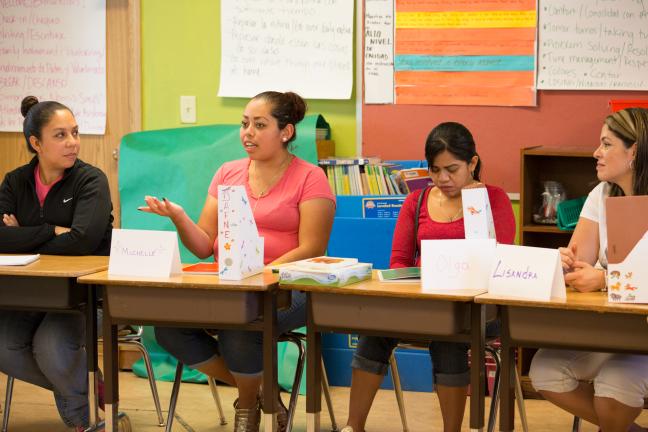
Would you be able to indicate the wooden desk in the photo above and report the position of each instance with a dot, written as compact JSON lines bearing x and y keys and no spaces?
{"x":190,"y":301}
{"x":584,"y":321}
{"x":401,"y":310}
{"x":50,"y":284}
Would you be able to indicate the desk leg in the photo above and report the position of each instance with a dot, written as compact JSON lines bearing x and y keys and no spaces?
{"x":270,"y":338}
{"x":313,"y":370}
{"x":477,"y":358}
{"x":91,"y":351}
{"x":507,"y":412}
{"x":111,"y":371}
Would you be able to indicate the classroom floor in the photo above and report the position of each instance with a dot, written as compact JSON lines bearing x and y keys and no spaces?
{"x":33,"y":410}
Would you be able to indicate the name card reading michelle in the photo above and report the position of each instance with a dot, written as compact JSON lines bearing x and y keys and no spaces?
{"x":240,"y":249}
{"x":144,"y":253}
{"x":478,"y":216}
{"x":456,"y":264}
{"x":527,"y":272}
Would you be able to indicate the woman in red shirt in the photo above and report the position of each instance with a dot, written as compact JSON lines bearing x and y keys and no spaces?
{"x":454,"y":165}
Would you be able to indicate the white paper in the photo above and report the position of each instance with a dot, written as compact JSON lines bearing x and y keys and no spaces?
{"x":456,"y":264}
{"x":478,"y":216}
{"x":240,"y":249}
{"x":17,"y":260}
{"x":527,"y":272}
{"x":599,"y":45}
{"x":54,"y":51}
{"x":379,"y":52}
{"x":305,"y":47}
{"x":144,"y":253}
{"x":628,"y":280}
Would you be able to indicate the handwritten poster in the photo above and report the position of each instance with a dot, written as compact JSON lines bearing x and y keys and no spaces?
{"x":465,"y":52}
{"x":305,"y":47}
{"x":379,"y":52}
{"x":586,"y":45}
{"x":54,"y":51}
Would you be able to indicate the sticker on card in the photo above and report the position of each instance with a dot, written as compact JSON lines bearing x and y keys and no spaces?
{"x":478,"y":216}
{"x":527,"y":272}
{"x":240,"y":249}
{"x":456,"y":264}
{"x":144,"y":253}
{"x":628,"y":279}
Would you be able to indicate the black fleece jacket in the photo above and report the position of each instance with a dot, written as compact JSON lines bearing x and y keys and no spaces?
{"x":80,"y":201}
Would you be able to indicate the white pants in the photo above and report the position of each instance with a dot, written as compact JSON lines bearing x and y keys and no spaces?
{"x":621,"y":377}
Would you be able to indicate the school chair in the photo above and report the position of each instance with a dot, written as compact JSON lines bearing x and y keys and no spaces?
{"x":494,"y":354}
{"x":132,"y":337}
{"x":295,"y":338}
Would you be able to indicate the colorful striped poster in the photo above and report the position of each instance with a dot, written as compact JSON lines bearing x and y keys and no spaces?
{"x":465,"y":52}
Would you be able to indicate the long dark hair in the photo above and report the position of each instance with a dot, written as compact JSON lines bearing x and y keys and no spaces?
{"x":37,"y":115}
{"x":630,"y":125}
{"x":455,"y":138}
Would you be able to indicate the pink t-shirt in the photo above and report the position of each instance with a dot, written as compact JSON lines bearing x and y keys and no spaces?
{"x":42,"y":189}
{"x":277,"y":212}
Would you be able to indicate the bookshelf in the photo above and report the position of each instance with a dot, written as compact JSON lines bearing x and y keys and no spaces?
{"x":574,"y":168}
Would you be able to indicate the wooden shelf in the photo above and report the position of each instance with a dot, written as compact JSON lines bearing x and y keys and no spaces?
{"x":587,"y":152}
{"x":545,"y":229}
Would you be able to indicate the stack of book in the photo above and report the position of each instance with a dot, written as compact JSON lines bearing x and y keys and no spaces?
{"x":362,"y":176}
{"x":324,"y":271}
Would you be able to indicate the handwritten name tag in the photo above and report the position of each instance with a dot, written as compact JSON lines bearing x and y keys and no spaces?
{"x":144,"y":253}
{"x":456,"y":264}
{"x":527,"y":272}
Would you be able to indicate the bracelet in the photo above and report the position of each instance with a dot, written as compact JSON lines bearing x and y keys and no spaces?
{"x":605,"y":281}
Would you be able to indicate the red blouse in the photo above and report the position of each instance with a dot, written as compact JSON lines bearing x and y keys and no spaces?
{"x":403,"y":242}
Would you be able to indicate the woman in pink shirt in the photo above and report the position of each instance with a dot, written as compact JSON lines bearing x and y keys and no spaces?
{"x":293,"y":207}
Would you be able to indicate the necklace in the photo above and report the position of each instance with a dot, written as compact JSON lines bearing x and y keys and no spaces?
{"x":271,"y":182}
{"x":453,"y":217}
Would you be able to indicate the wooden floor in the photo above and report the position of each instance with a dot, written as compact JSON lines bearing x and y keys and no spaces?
{"x":33,"y":410}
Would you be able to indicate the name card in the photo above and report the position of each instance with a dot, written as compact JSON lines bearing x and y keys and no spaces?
{"x":144,"y":253}
{"x":478,"y":216}
{"x":456,"y":264}
{"x":240,"y":249}
{"x":628,"y":280}
{"x":527,"y":272}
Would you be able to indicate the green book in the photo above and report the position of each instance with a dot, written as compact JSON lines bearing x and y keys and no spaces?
{"x":405,"y":274}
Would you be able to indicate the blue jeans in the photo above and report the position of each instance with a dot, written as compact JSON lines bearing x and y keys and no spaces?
{"x":48,"y":349}
{"x":241,"y":350}
{"x":449,"y":359}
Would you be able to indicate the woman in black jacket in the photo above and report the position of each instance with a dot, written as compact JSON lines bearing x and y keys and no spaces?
{"x":56,"y":204}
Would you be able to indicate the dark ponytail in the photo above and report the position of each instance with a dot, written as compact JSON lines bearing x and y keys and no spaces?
{"x":287,"y":108}
{"x":37,"y":115}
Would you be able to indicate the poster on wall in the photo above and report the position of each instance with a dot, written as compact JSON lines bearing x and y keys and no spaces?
{"x":54,"y":51}
{"x":379,"y":52}
{"x":465,"y":52}
{"x":305,"y":47}
{"x":587,"y":45}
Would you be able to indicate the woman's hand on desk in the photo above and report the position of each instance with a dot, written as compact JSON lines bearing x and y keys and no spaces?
{"x":10,"y":220}
{"x":585,"y":278}
{"x":162,"y":207}
{"x":568,"y":257}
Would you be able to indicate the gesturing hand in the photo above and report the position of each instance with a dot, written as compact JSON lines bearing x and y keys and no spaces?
{"x":162,"y":207}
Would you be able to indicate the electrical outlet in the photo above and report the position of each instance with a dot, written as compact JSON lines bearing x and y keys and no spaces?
{"x":188,"y":109}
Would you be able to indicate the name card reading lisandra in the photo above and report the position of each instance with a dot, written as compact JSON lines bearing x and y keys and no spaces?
{"x":240,"y":249}
{"x":478,"y":216}
{"x":456,"y":264}
{"x":144,"y":253}
{"x":527,"y":272}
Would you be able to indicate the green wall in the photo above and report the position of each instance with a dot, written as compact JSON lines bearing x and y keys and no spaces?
{"x":181,"y":56}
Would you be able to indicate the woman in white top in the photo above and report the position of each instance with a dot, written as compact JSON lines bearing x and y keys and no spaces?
{"x":605,"y":389}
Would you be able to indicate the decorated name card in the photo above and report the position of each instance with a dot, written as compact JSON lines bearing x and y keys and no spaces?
{"x":144,"y":253}
{"x":240,"y":249}
{"x":478,"y":216}
{"x":527,"y":272}
{"x":456,"y":264}
{"x":628,"y":280}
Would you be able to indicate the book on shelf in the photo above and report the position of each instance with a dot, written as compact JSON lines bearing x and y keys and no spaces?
{"x":415,"y":178}
{"x":400,"y":275}
{"x":362,"y":176}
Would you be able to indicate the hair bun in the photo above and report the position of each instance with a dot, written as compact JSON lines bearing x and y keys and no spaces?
{"x":27,"y":103}
{"x":299,"y":106}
